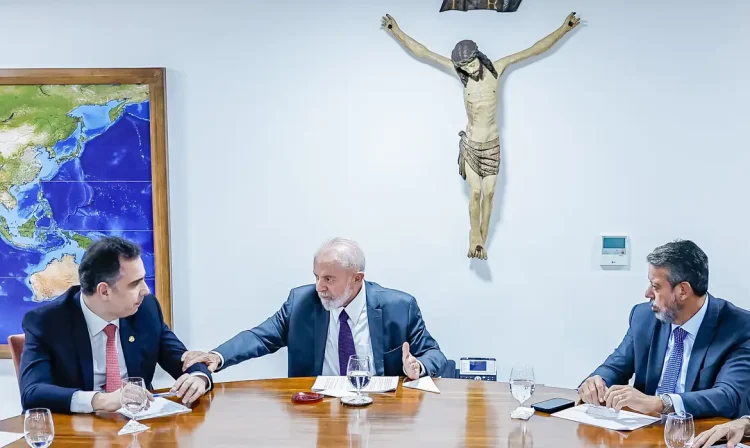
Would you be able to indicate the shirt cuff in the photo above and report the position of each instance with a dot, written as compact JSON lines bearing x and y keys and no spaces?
{"x":209,"y":384}
{"x":221,"y":363}
{"x":422,"y":372}
{"x":81,"y":402}
{"x":679,"y":406}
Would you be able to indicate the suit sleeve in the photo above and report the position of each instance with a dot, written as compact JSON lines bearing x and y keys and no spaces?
{"x":37,"y":387}
{"x":262,"y":340}
{"x":421,"y":344}
{"x":620,"y":365}
{"x":171,"y":350}
{"x":725,"y":397}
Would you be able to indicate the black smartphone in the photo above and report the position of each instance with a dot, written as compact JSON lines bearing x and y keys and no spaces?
{"x":553,"y":405}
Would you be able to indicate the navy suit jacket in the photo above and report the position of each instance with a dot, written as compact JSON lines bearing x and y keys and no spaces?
{"x":301,"y":325}
{"x":718,"y":375}
{"x":57,"y":361}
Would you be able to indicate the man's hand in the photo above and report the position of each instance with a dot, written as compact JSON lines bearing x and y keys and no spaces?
{"x":618,"y":397}
{"x":212,"y":360}
{"x":110,"y":402}
{"x":190,"y":387}
{"x":389,"y":23}
{"x":592,"y":390}
{"x":412,"y":366}
{"x":571,"y":22}
{"x":733,"y":431}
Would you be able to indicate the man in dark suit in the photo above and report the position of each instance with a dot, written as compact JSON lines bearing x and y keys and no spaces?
{"x":339,"y":316}
{"x":82,"y":344}
{"x":689,"y":351}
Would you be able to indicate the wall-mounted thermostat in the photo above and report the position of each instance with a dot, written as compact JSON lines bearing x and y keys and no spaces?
{"x":615,"y":250}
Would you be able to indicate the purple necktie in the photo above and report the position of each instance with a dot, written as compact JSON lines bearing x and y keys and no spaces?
{"x":346,"y":343}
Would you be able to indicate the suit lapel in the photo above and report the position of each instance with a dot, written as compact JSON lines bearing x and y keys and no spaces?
{"x":320,"y":332}
{"x":659,"y":343}
{"x":702,"y":342}
{"x":130,"y":350}
{"x":82,"y":343}
{"x":375,"y":324}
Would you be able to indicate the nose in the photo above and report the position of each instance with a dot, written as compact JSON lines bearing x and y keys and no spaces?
{"x":650,"y":293}
{"x":318,"y":286}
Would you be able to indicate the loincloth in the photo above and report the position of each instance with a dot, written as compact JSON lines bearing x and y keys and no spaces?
{"x":483,"y":158}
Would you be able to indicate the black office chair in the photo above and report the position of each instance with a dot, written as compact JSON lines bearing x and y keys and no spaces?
{"x":450,"y":370}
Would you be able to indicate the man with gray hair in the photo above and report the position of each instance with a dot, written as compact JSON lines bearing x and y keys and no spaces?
{"x":341,"y":315}
{"x":689,"y":351}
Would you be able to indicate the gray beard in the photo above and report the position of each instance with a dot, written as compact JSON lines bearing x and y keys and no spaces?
{"x":668,"y":314}
{"x":336,"y":302}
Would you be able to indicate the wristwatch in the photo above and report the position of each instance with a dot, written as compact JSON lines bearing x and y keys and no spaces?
{"x":666,"y":401}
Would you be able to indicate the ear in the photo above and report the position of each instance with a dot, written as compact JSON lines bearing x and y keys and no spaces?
{"x":685,"y":290}
{"x":103,"y":290}
{"x":359,"y":276}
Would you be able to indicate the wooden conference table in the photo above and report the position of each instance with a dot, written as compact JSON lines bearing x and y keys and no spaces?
{"x":260,"y":413}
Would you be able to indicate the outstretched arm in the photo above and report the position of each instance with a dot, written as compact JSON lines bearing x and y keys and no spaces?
{"x":417,"y":49}
{"x":540,"y":47}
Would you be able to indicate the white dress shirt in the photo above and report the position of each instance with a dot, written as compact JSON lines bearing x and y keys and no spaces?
{"x":81,"y":401}
{"x":691,"y":327}
{"x":357,"y":312}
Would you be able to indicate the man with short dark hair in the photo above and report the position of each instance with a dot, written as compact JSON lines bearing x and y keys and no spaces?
{"x":689,"y":351}
{"x":82,"y":344}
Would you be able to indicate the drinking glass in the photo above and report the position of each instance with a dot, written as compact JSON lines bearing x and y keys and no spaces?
{"x":133,"y":396}
{"x":38,"y":428}
{"x":679,"y":431}
{"x":522,"y":383}
{"x":359,"y":374}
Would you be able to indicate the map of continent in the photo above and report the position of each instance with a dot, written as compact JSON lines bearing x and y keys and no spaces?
{"x":75,"y":166}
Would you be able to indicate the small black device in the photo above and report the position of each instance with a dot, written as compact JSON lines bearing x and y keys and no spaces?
{"x":553,"y":405}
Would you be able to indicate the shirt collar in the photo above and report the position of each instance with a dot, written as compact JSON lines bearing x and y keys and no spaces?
{"x":354,"y":309}
{"x":694,"y":324}
{"x":95,"y":323}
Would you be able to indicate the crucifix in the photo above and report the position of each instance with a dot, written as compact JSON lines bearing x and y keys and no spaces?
{"x":479,"y":143}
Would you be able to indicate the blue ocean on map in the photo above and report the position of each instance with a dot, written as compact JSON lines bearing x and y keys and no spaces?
{"x":96,"y":182}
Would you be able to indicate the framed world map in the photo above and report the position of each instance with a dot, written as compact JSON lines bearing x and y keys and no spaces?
{"x":82,"y":156}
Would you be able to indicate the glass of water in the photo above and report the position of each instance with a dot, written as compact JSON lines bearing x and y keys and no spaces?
{"x":679,"y":431}
{"x":522,"y":383}
{"x":38,"y":429}
{"x":133,"y":396}
{"x":358,"y":373}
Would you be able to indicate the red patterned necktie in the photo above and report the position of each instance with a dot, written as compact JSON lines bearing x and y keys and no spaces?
{"x":113,"y":365}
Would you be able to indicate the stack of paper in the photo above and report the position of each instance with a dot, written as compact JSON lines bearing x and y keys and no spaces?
{"x":339,"y":386}
{"x":606,"y":418}
{"x":160,"y":407}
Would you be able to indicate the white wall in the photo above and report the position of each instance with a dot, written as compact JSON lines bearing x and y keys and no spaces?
{"x":290,"y":122}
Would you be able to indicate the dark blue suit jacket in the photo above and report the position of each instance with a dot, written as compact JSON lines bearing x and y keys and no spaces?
{"x":57,"y":360}
{"x":718,"y":376}
{"x":301,"y":325}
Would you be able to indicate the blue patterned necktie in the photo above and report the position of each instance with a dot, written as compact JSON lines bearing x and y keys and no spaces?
{"x":346,"y":343}
{"x":674,"y":364}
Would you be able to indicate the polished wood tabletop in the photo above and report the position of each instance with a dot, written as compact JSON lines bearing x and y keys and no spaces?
{"x":260,"y":413}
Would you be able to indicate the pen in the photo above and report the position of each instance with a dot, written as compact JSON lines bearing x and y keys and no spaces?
{"x":165,"y":394}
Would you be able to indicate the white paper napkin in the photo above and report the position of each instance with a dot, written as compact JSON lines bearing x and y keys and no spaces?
{"x":132,"y":427}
